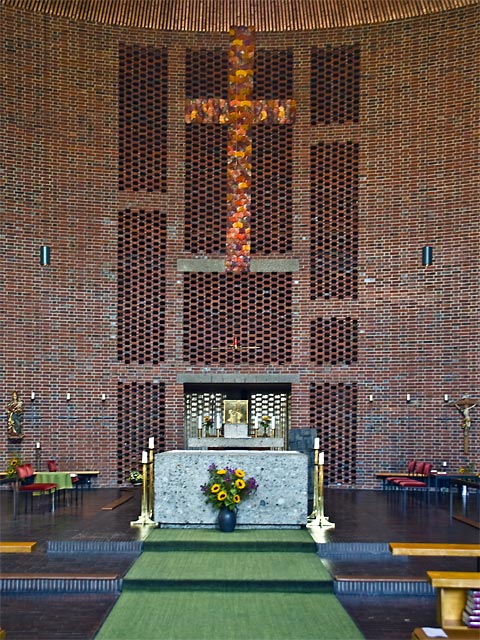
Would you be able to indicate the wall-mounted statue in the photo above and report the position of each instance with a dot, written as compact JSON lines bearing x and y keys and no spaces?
{"x":464,"y":405}
{"x":15,"y":418}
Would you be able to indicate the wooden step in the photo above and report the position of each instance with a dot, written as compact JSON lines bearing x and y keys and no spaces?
{"x":17,"y":547}
{"x":116,"y":503}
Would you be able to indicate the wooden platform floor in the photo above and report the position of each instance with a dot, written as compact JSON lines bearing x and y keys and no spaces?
{"x":359,"y":516}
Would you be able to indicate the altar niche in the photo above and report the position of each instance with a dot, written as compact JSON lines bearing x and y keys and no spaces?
{"x":238,"y":417}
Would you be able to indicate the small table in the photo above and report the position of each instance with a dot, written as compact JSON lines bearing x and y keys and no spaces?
{"x":62,"y":479}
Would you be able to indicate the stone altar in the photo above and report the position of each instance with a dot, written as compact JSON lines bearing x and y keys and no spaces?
{"x":280,"y":502}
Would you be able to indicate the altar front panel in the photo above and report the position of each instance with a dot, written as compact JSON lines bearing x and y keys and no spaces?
{"x":281,"y":499}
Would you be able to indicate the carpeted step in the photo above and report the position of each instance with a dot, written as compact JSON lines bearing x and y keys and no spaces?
{"x":262,"y":584}
{"x":230,"y":571}
{"x":251,"y":540}
{"x":178,"y":615}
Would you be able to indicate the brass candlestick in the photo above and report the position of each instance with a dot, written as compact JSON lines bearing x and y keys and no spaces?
{"x":144,"y":517}
{"x":318,"y":518}
{"x":150,"y":483}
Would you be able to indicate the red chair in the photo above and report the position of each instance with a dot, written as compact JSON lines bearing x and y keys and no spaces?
{"x":26,"y":475}
{"x":53,"y":468}
{"x":394,"y":480}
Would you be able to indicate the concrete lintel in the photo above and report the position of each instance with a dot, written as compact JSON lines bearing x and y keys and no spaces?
{"x":257,"y":265}
{"x":238,"y":378}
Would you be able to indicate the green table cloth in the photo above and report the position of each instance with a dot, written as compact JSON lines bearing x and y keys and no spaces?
{"x":62,"y":479}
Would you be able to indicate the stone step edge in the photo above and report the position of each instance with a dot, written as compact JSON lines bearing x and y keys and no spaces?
{"x":384,"y":586}
{"x":60,"y":583}
{"x":94,"y":546}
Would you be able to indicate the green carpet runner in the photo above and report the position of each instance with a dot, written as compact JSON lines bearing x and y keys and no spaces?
{"x":195,"y":584}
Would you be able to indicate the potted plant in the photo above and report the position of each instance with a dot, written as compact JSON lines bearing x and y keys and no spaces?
{"x":225,"y":490}
{"x":135,"y":478}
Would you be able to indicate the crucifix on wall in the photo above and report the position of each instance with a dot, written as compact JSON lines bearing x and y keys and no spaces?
{"x":240,"y":112}
{"x":465,"y":405}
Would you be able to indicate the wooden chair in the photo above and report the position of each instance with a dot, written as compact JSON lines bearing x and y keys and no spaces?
{"x":26,"y":475}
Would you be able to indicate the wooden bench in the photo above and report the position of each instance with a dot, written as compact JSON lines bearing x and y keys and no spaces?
{"x":17,"y":547}
{"x":452,"y":595}
{"x":434,"y":549}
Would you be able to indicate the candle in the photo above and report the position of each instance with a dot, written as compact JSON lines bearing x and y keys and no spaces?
{"x":199,"y":423}
{"x":151,"y":443}
{"x":144,"y":457}
{"x":408,"y":397}
{"x":256,"y":422}
{"x":317,"y":444}
{"x":219,"y":422}
{"x":68,"y":395}
{"x":33,"y":395}
{"x":38,"y":445}
{"x":273,"y":424}
{"x":321,"y":458}
{"x":370,"y":398}
{"x":445,"y":397}
{"x":104,"y":397}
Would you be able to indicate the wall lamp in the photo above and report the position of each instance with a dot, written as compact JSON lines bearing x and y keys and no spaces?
{"x":427,"y":256}
{"x":44,"y":256}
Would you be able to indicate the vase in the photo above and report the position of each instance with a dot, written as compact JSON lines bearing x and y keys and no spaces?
{"x":227,"y":520}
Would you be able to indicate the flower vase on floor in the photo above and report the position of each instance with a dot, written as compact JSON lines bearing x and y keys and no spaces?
{"x":227,"y":519}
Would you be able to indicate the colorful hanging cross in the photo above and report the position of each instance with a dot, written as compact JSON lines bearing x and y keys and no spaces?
{"x":240,"y":112}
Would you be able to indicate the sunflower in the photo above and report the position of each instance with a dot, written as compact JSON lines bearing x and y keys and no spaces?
{"x":227,"y":487}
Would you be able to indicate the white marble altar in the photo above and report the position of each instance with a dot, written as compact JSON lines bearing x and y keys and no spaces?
{"x":281,"y":499}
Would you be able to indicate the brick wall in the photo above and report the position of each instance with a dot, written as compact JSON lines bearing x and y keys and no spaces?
{"x":415,"y":329}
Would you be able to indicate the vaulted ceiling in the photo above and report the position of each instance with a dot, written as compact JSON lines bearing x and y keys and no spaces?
{"x":219,"y":15}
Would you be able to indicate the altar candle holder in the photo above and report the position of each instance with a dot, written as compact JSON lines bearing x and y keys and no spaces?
{"x":317,"y":518}
{"x":144,"y":518}
{"x":151,"y":447}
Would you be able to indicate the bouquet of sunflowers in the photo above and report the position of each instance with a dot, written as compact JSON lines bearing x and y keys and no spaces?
{"x":227,"y":487}
{"x":15,"y":461}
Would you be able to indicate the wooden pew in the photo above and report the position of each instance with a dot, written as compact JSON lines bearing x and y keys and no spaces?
{"x":434,"y":549}
{"x":452,"y":595}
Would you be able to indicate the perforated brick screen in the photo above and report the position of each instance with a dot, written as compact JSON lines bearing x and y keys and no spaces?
{"x":334,"y":341}
{"x":141,"y":415}
{"x":141,"y":286}
{"x":335,"y":85}
{"x":229,"y":318}
{"x":272,"y":205}
{"x":142,"y":134}
{"x":334,"y":220}
{"x":333,"y":413}
{"x":205,"y":188}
